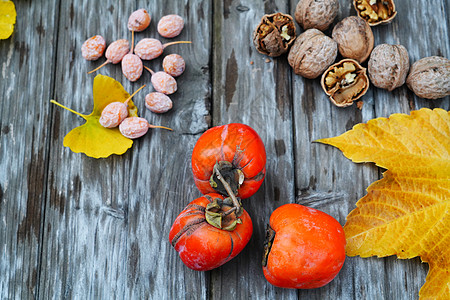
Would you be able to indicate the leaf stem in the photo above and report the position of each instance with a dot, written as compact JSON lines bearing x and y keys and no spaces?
{"x":71,"y":110}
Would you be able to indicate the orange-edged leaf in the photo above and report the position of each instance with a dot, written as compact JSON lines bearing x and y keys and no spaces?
{"x":93,"y":139}
{"x":407,"y":213}
{"x":7,"y":18}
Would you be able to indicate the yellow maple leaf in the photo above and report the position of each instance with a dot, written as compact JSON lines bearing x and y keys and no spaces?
{"x":7,"y":19}
{"x":407,"y":212}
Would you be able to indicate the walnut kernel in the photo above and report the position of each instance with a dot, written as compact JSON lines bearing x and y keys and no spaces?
{"x":354,"y":37}
{"x":316,"y":14}
{"x":429,"y":77}
{"x":388,"y":66}
{"x":345,"y":82}
{"x":274,"y":34}
{"x":312,"y":53}
{"x":375,"y":11}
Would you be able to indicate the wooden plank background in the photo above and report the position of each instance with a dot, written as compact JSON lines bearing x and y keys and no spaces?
{"x":80,"y":228}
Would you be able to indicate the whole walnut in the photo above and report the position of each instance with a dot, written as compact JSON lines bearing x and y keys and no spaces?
{"x":316,"y":14}
{"x":354,"y":37}
{"x":388,"y":66}
{"x":312,"y":53}
{"x":429,"y":77}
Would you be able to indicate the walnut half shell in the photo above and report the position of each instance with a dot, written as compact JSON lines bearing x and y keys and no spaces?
{"x":274,"y":34}
{"x":429,"y":77}
{"x":345,"y":82}
{"x":375,"y":11}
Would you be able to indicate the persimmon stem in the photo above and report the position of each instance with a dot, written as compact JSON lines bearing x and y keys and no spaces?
{"x":227,"y":187}
{"x":229,"y":211}
{"x":102,"y":65}
{"x":174,"y":43}
{"x":132,"y":95}
{"x":156,"y":126}
{"x":150,"y":70}
{"x":71,"y":110}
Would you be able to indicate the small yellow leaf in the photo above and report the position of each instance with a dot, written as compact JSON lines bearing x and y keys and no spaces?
{"x":7,"y":19}
{"x":93,"y":139}
{"x":407,"y":213}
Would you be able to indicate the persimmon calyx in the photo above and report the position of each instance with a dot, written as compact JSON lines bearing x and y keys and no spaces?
{"x":233,"y":176}
{"x":222,"y":214}
{"x":268,"y":242}
{"x":228,"y":183}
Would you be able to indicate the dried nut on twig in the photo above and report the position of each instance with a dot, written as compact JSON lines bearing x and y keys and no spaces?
{"x":274,"y":34}
{"x":375,"y":11}
{"x":345,"y":82}
{"x":429,"y":77}
{"x":354,"y":37}
{"x":312,"y":53}
{"x":388,"y":66}
{"x":316,"y":14}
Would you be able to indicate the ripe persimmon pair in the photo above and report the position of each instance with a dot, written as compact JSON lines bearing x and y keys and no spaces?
{"x":304,"y":247}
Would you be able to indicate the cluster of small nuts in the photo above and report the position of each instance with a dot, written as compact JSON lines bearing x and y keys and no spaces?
{"x":163,"y":82}
{"x":312,"y":53}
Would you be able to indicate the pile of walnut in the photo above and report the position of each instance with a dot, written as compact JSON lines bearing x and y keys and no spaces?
{"x":312,"y":53}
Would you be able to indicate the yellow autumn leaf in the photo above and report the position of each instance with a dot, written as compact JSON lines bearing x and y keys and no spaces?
{"x":407,"y":212}
{"x":7,"y":18}
{"x":93,"y":139}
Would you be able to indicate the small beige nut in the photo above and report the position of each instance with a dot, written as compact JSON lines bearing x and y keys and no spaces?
{"x":274,"y":34}
{"x":388,"y":66}
{"x":312,"y":53}
{"x":354,"y":37}
{"x":316,"y":14}
{"x":345,"y":82}
{"x":375,"y":12}
{"x":429,"y":77}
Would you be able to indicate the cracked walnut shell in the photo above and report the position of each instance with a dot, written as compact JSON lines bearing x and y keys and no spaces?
{"x":274,"y":34}
{"x":316,"y":14}
{"x":354,"y":37}
{"x":388,"y":66}
{"x":345,"y":82}
{"x":429,"y":77}
{"x":375,"y":12}
{"x":312,"y":53}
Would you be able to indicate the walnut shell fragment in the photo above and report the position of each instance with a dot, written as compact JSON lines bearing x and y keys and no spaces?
{"x":274,"y":34}
{"x":388,"y":66}
{"x":354,"y":37}
{"x":429,"y":77}
{"x":316,"y":14}
{"x":312,"y":53}
{"x":345,"y":82}
{"x":375,"y":12}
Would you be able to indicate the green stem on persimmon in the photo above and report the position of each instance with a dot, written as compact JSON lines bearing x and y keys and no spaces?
{"x":71,"y":110}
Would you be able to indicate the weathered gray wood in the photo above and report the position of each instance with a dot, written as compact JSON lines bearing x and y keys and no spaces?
{"x":26,"y":61}
{"x":258,"y":95}
{"x":113,"y":232}
{"x":81,"y":228}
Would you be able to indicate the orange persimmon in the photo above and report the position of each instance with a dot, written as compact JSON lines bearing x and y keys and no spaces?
{"x":304,"y":248}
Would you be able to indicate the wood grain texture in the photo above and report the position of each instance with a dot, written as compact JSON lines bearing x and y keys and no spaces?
{"x":81,"y":228}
